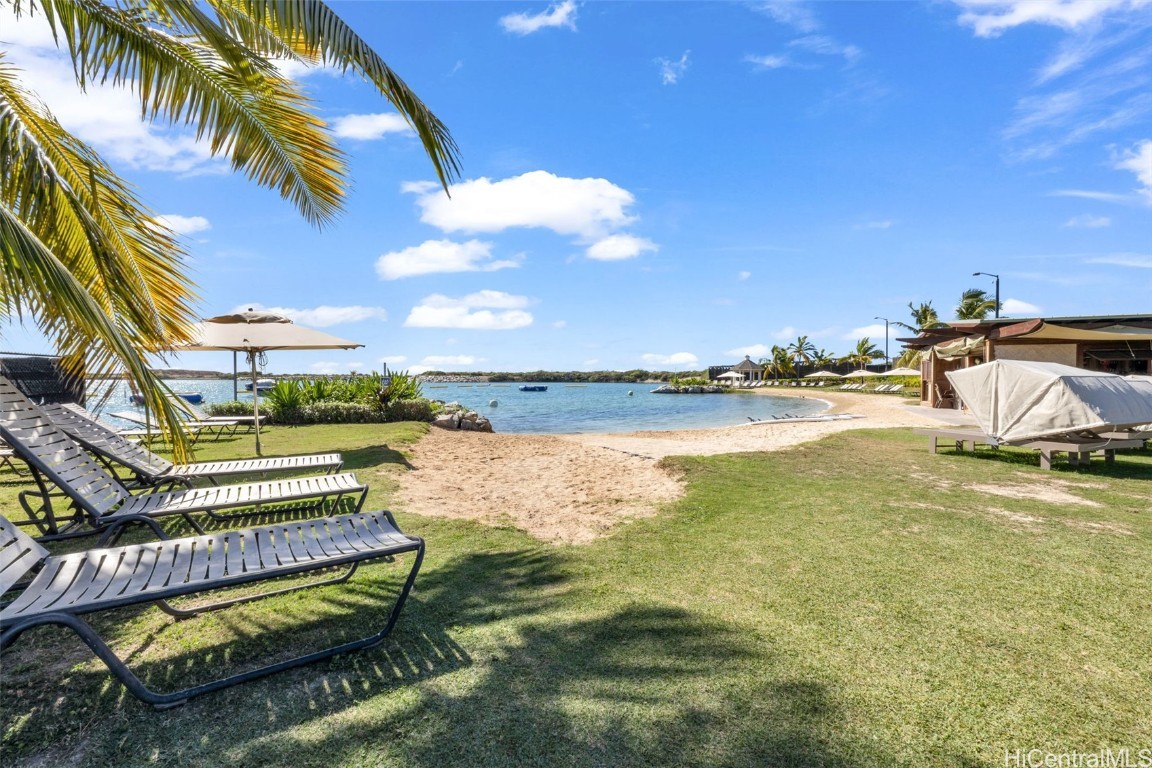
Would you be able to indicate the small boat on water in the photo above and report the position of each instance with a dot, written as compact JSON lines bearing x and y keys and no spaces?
{"x":193,"y":397}
{"x":533,"y":387}
{"x":262,"y":385}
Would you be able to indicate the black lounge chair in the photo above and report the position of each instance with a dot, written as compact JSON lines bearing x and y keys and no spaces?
{"x":102,"y":503}
{"x":60,"y":589}
{"x":151,"y":469}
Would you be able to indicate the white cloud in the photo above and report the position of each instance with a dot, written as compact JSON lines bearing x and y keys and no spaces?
{"x":989,"y":18}
{"x":677,"y":359}
{"x":1137,"y":260}
{"x":786,"y":333}
{"x":1139,"y":161}
{"x":671,"y":70}
{"x":330,"y":368}
{"x":435,"y":256}
{"x":367,"y":127}
{"x":184,"y":225}
{"x":392,"y":360}
{"x":873,"y":332}
{"x":590,"y":363}
{"x":1010,"y":307}
{"x":794,"y":13}
{"x":450,"y":360}
{"x":560,"y":324}
{"x":743,"y":275}
{"x":562,"y":14}
{"x":473,"y":312}
{"x":619,"y":248}
{"x":1087,"y":194}
{"x":769,"y":61}
{"x":588,"y":208}
{"x":883,"y":224}
{"x":322,"y":316}
{"x":826,"y":46}
{"x":1088,"y":221}
{"x":754,"y":351}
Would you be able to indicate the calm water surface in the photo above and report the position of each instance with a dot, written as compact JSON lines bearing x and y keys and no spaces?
{"x":566,"y":409}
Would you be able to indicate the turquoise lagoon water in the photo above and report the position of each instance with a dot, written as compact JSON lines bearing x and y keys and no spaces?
{"x":566,"y":409}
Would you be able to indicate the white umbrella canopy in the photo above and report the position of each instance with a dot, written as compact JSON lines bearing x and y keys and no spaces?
{"x":731,"y":375}
{"x":823,"y":375}
{"x":859,"y":374}
{"x":901,"y":372}
{"x":253,"y":333}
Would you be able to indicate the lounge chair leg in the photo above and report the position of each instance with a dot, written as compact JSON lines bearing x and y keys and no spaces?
{"x":177,"y":698}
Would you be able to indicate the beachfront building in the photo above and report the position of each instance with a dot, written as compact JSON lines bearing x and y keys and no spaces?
{"x":748,"y":370}
{"x":1114,"y":343}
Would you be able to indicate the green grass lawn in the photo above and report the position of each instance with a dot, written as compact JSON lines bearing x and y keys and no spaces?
{"x":853,"y":602}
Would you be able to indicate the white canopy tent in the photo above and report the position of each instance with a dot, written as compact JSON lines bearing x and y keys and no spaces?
{"x":1014,"y":400}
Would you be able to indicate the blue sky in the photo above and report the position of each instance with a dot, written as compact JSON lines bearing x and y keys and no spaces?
{"x":671,"y":185}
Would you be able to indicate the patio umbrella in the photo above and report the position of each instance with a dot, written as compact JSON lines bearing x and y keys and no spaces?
{"x":901,"y":372}
{"x":731,"y":375}
{"x":859,"y":374}
{"x":254,"y":333}
{"x":823,"y":375}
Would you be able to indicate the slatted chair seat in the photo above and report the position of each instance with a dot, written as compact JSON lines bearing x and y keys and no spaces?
{"x":151,"y":468}
{"x":103,"y":501}
{"x":200,"y":417}
{"x":64,"y":587}
{"x":192,"y":429}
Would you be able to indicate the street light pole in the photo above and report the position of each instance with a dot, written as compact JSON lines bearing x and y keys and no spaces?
{"x":887,"y":360}
{"x":997,"y":277}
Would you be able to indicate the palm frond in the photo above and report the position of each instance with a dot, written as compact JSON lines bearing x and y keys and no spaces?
{"x":315,"y":33}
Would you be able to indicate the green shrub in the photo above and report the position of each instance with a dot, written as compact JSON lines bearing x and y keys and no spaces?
{"x":230,"y":408}
{"x":286,"y":396}
{"x":410,"y":410}
{"x":340,"y":413}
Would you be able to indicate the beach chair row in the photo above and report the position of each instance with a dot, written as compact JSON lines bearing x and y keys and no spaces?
{"x":38,"y":587}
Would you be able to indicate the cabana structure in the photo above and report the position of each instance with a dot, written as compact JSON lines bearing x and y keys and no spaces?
{"x":746,"y":370}
{"x":1120,"y":344}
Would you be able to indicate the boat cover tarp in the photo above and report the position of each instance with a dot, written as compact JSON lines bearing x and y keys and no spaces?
{"x":1015,"y":400}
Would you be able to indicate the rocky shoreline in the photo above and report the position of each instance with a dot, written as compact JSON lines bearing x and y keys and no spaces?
{"x":695,"y":389}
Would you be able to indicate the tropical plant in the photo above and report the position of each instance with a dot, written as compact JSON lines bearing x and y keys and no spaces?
{"x":975,"y":304}
{"x":823,"y":357}
{"x":924,"y":317}
{"x":402,"y":387}
{"x":81,"y":255}
{"x":864,"y":353}
{"x":801,"y":352}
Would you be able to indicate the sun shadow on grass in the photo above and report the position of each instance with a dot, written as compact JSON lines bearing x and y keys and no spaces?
{"x":488,"y":666}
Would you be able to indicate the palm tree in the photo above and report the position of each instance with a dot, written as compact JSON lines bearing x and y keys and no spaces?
{"x":975,"y":304}
{"x":864,"y":353}
{"x":924,"y":317}
{"x":82,"y":257}
{"x":823,"y":358}
{"x":801,"y":352}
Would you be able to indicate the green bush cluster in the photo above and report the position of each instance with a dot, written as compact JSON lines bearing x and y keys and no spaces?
{"x":357,"y":399}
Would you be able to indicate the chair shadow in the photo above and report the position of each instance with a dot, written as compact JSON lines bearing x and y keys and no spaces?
{"x":1121,"y":468}
{"x":640,"y":685}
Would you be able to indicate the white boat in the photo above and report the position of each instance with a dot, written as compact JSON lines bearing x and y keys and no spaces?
{"x":262,"y":385}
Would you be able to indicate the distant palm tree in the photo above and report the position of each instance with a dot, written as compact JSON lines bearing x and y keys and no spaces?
{"x":923,"y":317}
{"x":84,"y":259}
{"x":801,"y":352}
{"x":864,"y":353}
{"x":975,"y":304}
{"x":779,"y":363}
{"x":823,"y":358}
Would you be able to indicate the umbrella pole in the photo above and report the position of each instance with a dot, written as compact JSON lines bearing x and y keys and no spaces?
{"x":255,"y":402}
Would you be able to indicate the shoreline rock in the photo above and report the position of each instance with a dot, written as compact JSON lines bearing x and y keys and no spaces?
{"x":457,"y":417}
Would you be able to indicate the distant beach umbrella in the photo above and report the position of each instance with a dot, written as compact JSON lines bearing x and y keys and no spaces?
{"x":823,"y":375}
{"x":901,"y":372}
{"x":860,"y":374}
{"x":255,"y":333}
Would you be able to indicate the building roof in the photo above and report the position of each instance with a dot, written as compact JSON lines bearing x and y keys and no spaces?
{"x":1083,"y":328}
{"x":747,"y":365}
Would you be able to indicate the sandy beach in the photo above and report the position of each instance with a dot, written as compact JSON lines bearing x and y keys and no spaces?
{"x":574,"y":488}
